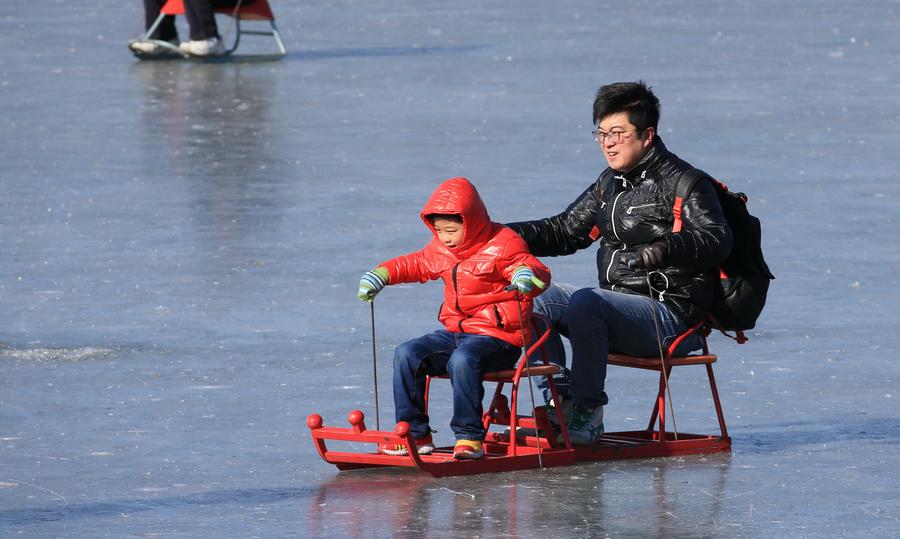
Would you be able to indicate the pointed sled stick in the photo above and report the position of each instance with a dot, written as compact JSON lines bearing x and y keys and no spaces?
{"x":375,"y":368}
{"x":527,"y":370}
{"x":662,"y":355}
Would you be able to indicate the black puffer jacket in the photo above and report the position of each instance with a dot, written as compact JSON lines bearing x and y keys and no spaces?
{"x":633,"y":209}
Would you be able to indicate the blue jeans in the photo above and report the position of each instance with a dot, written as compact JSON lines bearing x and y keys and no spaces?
{"x":599,"y":321}
{"x":465,"y":357}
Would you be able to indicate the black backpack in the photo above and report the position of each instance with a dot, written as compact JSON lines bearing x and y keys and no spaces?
{"x":744,"y":276}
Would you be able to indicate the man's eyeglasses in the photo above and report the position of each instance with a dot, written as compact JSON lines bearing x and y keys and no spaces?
{"x":613,"y":137}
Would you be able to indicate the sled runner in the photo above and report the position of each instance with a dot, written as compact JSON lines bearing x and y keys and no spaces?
{"x":242,"y":12}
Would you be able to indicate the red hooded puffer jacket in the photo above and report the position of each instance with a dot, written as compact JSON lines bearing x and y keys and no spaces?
{"x":476,"y":271}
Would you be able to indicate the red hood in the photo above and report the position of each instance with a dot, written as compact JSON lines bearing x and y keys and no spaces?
{"x":458,"y":196}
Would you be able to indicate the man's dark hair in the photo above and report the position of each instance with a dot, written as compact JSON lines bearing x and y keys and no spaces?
{"x":634,"y":98}
{"x":455,"y":217}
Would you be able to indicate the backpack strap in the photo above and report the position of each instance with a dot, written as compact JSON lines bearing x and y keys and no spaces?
{"x":682,"y":189}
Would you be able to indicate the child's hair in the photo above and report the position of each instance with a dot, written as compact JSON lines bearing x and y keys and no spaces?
{"x":455,"y":217}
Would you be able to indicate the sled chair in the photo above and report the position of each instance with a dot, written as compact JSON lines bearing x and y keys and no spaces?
{"x":240,"y":11}
{"x":656,"y":440}
{"x":504,"y":411}
{"x":503,"y":452}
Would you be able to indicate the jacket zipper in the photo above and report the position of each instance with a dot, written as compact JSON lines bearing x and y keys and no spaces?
{"x":497,"y":315}
{"x":456,"y":297}
{"x":612,"y":221}
{"x":612,"y":216}
{"x":629,"y":209}
{"x":612,"y":259}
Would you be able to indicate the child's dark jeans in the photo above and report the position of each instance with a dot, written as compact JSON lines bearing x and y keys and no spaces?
{"x":465,"y":357}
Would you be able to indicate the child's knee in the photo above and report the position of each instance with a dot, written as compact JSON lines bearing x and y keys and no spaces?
{"x":405,"y":355}
{"x":462,"y":364}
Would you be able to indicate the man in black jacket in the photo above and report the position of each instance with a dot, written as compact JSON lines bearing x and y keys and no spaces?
{"x":629,"y":209}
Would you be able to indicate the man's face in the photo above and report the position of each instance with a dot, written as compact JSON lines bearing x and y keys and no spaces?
{"x":622,"y":145}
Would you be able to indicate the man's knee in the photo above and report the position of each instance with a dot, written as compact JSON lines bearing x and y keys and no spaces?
{"x":540,"y":307}
{"x":585,"y":303}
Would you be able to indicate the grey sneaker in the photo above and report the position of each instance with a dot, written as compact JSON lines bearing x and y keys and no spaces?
{"x":585,"y":426}
{"x":567,"y":406}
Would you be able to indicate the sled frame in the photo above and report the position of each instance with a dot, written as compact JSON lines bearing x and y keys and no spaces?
{"x":507,"y":452}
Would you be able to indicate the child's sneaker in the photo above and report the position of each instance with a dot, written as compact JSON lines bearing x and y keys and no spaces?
{"x":424,"y":446}
{"x":204,"y":47}
{"x":585,"y":426}
{"x":468,"y":450}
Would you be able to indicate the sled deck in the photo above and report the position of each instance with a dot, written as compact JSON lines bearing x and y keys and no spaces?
{"x":536,"y":449}
{"x":255,"y":11}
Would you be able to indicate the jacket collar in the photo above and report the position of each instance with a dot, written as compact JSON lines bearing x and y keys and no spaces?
{"x":657,"y":151}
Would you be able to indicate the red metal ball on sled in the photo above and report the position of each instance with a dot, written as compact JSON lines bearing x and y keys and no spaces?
{"x":314,"y":421}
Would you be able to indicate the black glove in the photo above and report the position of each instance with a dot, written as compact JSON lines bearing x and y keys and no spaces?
{"x":651,"y":256}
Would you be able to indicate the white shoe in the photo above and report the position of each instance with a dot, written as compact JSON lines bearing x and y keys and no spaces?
{"x":151,"y":48}
{"x":204,"y":47}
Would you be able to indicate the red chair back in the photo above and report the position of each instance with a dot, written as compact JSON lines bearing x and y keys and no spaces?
{"x":250,"y":9}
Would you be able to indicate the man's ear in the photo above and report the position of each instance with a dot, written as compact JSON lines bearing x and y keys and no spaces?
{"x":649,"y":135}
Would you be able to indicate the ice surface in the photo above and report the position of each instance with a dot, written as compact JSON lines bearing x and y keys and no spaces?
{"x":181,"y":246}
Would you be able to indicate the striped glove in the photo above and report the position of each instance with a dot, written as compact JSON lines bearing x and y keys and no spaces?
{"x":372,"y":282}
{"x":523,"y":279}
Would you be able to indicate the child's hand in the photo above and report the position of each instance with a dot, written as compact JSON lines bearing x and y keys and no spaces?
{"x":523,"y":279}
{"x":372,"y":282}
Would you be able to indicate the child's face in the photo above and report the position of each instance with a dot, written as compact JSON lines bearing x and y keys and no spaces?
{"x":450,"y":233}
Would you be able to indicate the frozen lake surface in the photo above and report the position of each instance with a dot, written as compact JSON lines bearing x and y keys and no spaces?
{"x":182,"y":243}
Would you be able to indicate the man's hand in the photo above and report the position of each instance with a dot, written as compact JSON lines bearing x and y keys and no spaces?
{"x":651,"y":256}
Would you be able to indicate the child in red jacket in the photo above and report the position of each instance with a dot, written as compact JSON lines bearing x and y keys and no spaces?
{"x":483,"y":326}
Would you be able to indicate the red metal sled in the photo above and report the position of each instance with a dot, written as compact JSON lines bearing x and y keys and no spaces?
{"x":506,"y":453}
{"x":248,"y":10}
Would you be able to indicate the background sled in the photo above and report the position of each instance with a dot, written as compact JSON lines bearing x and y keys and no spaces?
{"x":502,"y":452}
{"x":247,"y":10}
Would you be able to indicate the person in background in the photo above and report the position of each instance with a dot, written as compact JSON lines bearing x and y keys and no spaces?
{"x":204,"y":33}
{"x":483,"y":324}
{"x":629,"y":208}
